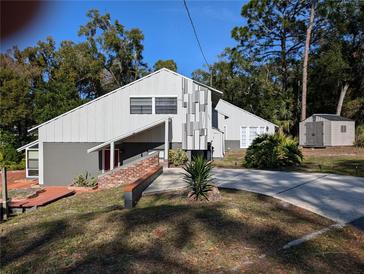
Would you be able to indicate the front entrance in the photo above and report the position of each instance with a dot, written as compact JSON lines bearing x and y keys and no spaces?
{"x":107,"y":159}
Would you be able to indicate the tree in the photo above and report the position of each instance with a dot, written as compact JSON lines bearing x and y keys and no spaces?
{"x":16,"y":98}
{"x":305,"y":61}
{"x":46,"y":80}
{"x":336,"y":82}
{"x":120,"y":49}
{"x":274,"y":33}
{"x":169,"y":64}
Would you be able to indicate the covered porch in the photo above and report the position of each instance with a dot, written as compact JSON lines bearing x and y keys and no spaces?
{"x":135,"y":144}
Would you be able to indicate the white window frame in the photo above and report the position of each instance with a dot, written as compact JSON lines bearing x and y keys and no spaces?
{"x":247,"y":136}
{"x":140,"y":96}
{"x":248,"y":140}
{"x":26,"y":163}
{"x":154,"y":103}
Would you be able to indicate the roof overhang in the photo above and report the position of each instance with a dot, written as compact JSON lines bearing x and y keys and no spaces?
{"x":27,"y":146}
{"x":128,"y":134}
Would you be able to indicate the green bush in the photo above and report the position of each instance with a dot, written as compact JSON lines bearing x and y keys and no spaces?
{"x":273,"y":151}
{"x":85,"y":181}
{"x":9,"y":157}
{"x":198,"y":177}
{"x":359,"y":137}
{"x":177,"y":157}
{"x":16,"y":166}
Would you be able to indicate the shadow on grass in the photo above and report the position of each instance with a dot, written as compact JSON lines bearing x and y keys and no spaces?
{"x":182,"y":223}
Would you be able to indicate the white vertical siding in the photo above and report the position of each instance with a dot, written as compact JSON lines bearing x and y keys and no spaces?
{"x":109,"y":116}
{"x":238,"y":118}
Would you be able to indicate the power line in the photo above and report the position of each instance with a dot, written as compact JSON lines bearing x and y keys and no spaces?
{"x":195,"y":33}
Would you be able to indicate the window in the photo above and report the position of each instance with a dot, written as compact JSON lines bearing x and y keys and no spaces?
{"x":343,"y":128}
{"x":166,"y":105}
{"x":32,"y":162}
{"x":141,"y":105}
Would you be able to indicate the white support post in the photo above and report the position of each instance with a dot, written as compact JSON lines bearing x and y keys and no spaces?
{"x":166,"y":154}
{"x":40,"y":163}
{"x":111,"y":155}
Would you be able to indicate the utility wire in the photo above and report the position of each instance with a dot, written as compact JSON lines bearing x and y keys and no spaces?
{"x":197,"y":39}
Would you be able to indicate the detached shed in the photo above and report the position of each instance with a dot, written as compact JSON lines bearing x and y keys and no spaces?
{"x":321,"y":130}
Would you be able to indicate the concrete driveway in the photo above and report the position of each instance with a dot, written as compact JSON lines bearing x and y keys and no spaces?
{"x":340,"y":198}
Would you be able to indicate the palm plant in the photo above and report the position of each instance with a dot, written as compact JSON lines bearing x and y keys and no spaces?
{"x":198,"y":177}
{"x":273,"y":151}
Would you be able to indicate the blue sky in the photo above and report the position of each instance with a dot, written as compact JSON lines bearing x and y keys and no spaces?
{"x":168,"y":33}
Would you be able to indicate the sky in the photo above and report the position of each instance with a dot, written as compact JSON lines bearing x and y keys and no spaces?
{"x":165,"y":25}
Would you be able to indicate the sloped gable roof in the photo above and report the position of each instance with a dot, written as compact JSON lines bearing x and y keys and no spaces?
{"x":332,"y":117}
{"x":240,"y":109}
{"x":121,"y":88}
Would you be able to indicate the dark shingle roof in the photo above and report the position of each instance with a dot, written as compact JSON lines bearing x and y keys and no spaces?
{"x":333,"y":117}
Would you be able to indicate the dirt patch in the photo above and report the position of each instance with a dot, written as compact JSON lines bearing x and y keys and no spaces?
{"x":333,"y":151}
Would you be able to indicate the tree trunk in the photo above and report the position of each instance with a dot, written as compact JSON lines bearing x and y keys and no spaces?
{"x":305,"y":62}
{"x":342,"y":97}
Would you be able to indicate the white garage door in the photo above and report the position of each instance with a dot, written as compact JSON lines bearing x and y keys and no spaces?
{"x":248,"y":134}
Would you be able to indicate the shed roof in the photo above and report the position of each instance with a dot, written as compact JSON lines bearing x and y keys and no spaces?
{"x":332,"y":117}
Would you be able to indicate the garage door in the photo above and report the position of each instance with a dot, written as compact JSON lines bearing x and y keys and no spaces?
{"x":248,"y":134}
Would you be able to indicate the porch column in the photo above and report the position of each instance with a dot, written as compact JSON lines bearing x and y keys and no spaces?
{"x":111,"y":155}
{"x":166,"y":154}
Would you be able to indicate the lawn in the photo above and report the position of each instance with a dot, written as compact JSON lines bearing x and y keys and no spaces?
{"x":93,"y":233}
{"x":343,"y":161}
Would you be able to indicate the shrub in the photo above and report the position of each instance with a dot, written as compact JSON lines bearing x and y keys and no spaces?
{"x":273,"y":151}
{"x":85,"y":181}
{"x":177,"y":157}
{"x":359,"y":137}
{"x":198,"y":177}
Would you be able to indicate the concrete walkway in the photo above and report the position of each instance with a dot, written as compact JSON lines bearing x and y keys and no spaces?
{"x":340,"y":198}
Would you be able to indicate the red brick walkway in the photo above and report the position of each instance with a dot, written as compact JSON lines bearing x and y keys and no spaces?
{"x":48,"y":195}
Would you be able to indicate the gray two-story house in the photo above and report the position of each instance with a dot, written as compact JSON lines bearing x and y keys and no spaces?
{"x":160,"y":111}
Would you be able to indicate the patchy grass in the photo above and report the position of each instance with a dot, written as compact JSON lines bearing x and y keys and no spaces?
{"x":93,"y":233}
{"x":232,"y":159}
{"x":343,"y":161}
{"x":343,"y":165}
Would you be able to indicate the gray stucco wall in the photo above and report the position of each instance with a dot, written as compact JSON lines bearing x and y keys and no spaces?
{"x":65,"y":161}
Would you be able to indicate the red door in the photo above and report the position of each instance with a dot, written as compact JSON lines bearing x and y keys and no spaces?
{"x":107,"y":159}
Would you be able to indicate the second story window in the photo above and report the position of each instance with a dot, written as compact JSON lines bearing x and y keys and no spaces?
{"x":166,"y":105}
{"x":141,"y":105}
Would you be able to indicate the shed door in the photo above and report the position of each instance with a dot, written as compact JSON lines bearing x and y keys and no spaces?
{"x":314,"y":134}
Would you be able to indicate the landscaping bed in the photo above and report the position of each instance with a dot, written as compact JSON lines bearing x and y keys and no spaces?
{"x":92,"y":232}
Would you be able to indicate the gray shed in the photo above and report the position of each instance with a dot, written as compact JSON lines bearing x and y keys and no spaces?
{"x":322,"y":130}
